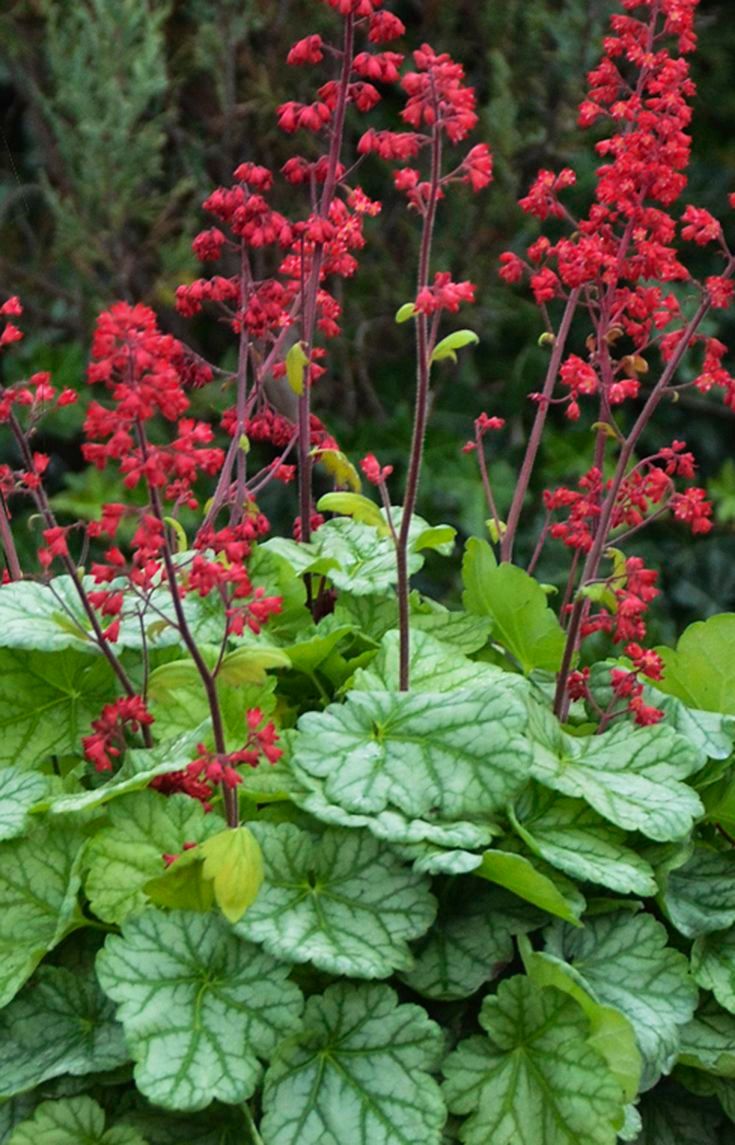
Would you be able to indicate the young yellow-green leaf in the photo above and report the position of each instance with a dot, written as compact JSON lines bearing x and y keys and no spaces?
{"x":48,"y":701}
{"x":576,"y":840}
{"x":296,"y":362}
{"x":456,"y":341}
{"x":182,"y":886}
{"x":233,"y":861}
{"x":61,"y":1024}
{"x":701,"y":669}
{"x":611,"y":1034}
{"x":339,"y":467}
{"x":517,"y":605}
{"x":471,"y":941}
{"x":199,"y":1006}
{"x":39,"y":883}
{"x":249,"y":663}
{"x":71,"y":1121}
{"x":623,"y":961}
{"x":19,"y":791}
{"x":699,"y":896}
{"x":544,"y":888}
{"x":630,"y":775}
{"x":454,"y":754}
{"x":124,"y":855}
{"x":713,"y":966}
{"x":406,"y":312}
{"x":356,"y":506}
{"x":342,"y":901}
{"x":359,"y":1073}
{"x":534,"y":1079}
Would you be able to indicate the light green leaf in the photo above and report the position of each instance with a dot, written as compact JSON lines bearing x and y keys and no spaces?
{"x":708,"y":1041}
{"x":139,"y":768}
{"x":699,"y":896}
{"x":713,"y":966}
{"x":471,"y":942}
{"x":630,"y":775}
{"x":39,"y":882}
{"x":392,"y":825}
{"x":359,"y":1073}
{"x":701,"y":670}
{"x":72,"y":1121}
{"x":122,"y":857}
{"x":611,"y":1034}
{"x":234,"y":863}
{"x":182,"y":886}
{"x":356,"y":506}
{"x":371,"y":614}
{"x":19,"y":790}
{"x":439,"y":538}
{"x":542,"y":887}
{"x":461,"y":754}
{"x":433,"y":667}
{"x":313,"y":645}
{"x":461,"y":630}
{"x":199,"y":1006}
{"x":576,"y":840}
{"x":534,"y":1079}
{"x":405,"y":312}
{"x":43,"y":617}
{"x":456,"y":341}
{"x":517,"y":605}
{"x":47,"y":701}
{"x":342,"y":901}
{"x":709,"y":732}
{"x":61,"y":1024}
{"x":622,"y":960}
{"x":296,"y":361}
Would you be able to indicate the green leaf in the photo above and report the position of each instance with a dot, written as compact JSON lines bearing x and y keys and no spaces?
{"x":73,"y":1121}
{"x":234,"y":862}
{"x":417,"y":752}
{"x":359,"y":1073}
{"x":534,"y":1079}
{"x":199,"y":1006}
{"x":549,"y":891}
{"x":439,"y":538}
{"x":392,"y":825}
{"x":139,"y":768}
{"x":296,"y":362}
{"x":456,"y":341}
{"x":630,"y":775}
{"x":19,"y":791}
{"x":182,"y":886}
{"x":672,"y":1117}
{"x":708,"y":1041}
{"x":342,"y":901}
{"x":576,"y":840}
{"x":218,"y":1125}
{"x":699,"y":896}
{"x":622,"y":960}
{"x":405,"y":312}
{"x":356,"y":506}
{"x":123,"y":856}
{"x":611,"y":1034}
{"x":701,"y":670}
{"x":462,"y":630}
{"x":39,"y":882}
{"x":43,"y":617}
{"x":471,"y":941}
{"x":713,"y":966}
{"x":47,"y":701}
{"x":709,"y":732}
{"x":61,"y":1024}
{"x":433,"y":667}
{"x":517,"y":605}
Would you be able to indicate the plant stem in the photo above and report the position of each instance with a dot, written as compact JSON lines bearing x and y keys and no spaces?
{"x":420,"y":417}
{"x":8,"y":543}
{"x":534,"y":440}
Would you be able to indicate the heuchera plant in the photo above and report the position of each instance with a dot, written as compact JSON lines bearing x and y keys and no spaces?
{"x":292,"y":854}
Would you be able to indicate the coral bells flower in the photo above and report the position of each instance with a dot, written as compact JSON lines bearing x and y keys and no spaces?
{"x":444,"y":295}
{"x":306,"y":51}
{"x":373,"y":471}
{"x":107,"y":741}
{"x":438,"y":95}
{"x":477,"y":167}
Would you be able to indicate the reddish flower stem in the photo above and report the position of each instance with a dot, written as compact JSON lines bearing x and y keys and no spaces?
{"x":6,"y":539}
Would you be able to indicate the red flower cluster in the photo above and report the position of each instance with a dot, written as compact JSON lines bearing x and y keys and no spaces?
{"x":107,"y":741}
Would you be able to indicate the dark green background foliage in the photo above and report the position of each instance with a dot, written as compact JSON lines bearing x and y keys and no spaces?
{"x":119,"y":115}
